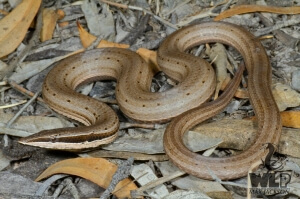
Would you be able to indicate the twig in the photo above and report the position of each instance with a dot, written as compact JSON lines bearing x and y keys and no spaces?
{"x":44,"y":186}
{"x":115,"y":4}
{"x":277,"y":26}
{"x":199,"y":50}
{"x":204,"y":14}
{"x":201,"y":15}
{"x":24,"y":91}
{"x":129,"y":183}
{"x":122,"y":173}
{"x":279,"y":34}
{"x":213,"y":175}
{"x":33,"y":41}
{"x":141,"y":9}
{"x":12,"y":105}
{"x":9,"y":123}
{"x":154,"y":183}
{"x":157,"y":7}
{"x":71,"y":17}
{"x":226,"y":5}
{"x":243,"y":9}
{"x":66,"y":184}
{"x":30,"y":94}
{"x":95,"y":43}
{"x":69,"y":185}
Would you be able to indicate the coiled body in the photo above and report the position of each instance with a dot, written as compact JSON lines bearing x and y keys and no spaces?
{"x":261,"y":98}
{"x":196,"y":84}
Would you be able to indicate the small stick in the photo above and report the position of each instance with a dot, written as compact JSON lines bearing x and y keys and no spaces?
{"x":24,"y":91}
{"x":213,"y":175}
{"x":12,"y":105}
{"x":201,"y":15}
{"x":22,"y":109}
{"x":129,"y":184}
{"x":267,"y":30}
{"x":157,"y":7}
{"x":141,"y":9}
{"x":154,"y":183}
{"x":115,"y":4}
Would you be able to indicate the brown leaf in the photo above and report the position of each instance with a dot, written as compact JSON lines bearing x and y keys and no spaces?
{"x":239,"y":134}
{"x":63,"y":24}
{"x":97,"y":170}
{"x":150,"y":57}
{"x":104,"y":44}
{"x":291,"y":119}
{"x":50,"y":17}
{"x":15,"y":25}
{"x":242,"y":9}
{"x":87,"y":39}
{"x":240,"y":93}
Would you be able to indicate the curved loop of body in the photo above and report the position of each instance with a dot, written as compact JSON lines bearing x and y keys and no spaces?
{"x":196,"y":84}
{"x":261,"y":98}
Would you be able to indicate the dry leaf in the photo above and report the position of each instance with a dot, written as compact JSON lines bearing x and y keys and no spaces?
{"x":285,"y":96}
{"x":136,"y":143}
{"x":87,"y":39}
{"x":218,"y":55}
{"x":104,"y":44}
{"x":97,"y":170}
{"x":240,"y":92}
{"x":50,"y":17}
{"x":29,"y":69}
{"x":242,"y":9}
{"x":189,"y":182}
{"x":14,"y":26}
{"x":27,"y":125}
{"x":290,"y":119}
{"x":145,"y":175}
{"x":63,"y":24}
{"x":239,"y":134}
{"x":150,"y":57}
{"x":99,"y":23}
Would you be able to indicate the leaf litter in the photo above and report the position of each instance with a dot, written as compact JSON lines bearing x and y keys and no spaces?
{"x":115,"y":23}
